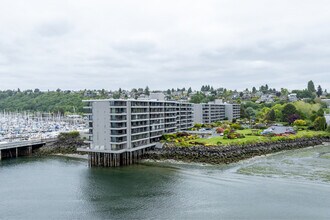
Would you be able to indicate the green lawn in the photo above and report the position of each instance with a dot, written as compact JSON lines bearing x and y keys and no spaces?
{"x":249,"y":138}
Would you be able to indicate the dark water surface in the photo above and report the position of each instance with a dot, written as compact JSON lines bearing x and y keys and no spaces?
{"x":288,"y":185}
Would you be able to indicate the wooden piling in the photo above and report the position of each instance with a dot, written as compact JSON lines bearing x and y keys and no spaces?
{"x":30,"y":150}
{"x":98,"y":159}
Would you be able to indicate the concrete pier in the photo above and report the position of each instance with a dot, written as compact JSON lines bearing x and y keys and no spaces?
{"x":21,"y":148}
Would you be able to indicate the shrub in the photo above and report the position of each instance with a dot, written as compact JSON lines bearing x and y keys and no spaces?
{"x":198,"y":126}
{"x":300,"y":122}
{"x":231,"y":135}
{"x":242,"y":136}
{"x":225,"y":126}
{"x":260,"y":126}
{"x":328,"y":129}
{"x":182,"y":134}
{"x":320,"y":124}
{"x":220,"y":130}
{"x":236,"y":126}
{"x":226,"y":132}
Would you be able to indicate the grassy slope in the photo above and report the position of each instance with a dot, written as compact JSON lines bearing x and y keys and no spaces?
{"x":252,"y":138}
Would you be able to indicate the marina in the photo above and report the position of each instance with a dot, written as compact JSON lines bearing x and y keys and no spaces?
{"x":26,"y":126}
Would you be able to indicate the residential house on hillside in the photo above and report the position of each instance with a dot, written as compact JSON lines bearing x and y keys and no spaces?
{"x":266,"y":98}
{"x":292,"y":97}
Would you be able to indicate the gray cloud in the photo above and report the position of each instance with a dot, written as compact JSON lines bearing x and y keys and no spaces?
{"x":164,"y":44}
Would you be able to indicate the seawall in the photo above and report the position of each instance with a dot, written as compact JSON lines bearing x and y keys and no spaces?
{"x":229,"y":154}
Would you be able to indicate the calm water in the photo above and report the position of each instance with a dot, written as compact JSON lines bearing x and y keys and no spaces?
{"x":287,"y":185}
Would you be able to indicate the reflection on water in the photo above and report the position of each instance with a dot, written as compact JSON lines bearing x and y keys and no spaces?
{"x":287,"y":185}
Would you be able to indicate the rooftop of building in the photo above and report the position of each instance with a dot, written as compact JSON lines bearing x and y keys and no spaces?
{"x":136,"y":100}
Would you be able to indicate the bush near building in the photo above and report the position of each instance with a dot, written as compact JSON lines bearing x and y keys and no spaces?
{"x":320,"y":124}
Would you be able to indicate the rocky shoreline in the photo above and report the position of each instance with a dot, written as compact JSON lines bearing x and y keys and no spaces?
{"x":60,"y":147}
{"x":229,"y":154}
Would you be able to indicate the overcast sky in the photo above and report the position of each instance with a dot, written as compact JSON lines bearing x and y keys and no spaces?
{"x":93,"y":44}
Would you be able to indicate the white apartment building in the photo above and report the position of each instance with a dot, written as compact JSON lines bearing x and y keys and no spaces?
{"x":117,"y":126}
{"x":205,"y":113}
{"x":208,"y":113}
{"x":232,"y":111}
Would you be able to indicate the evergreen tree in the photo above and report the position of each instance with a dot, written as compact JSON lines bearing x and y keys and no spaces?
{"x":262,"y":88}
{"x":284,"y":92}
{"x":254,"y":90}
{"x":319,"y":91}
{"x":189,"y":90}
{"x":146,"y":91}
{"x":310,"y":86}
{"x":168,"y":92}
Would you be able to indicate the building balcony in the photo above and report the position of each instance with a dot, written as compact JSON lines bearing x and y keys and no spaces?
{"x":139,"y":113}
{"x":139,"y":126}
{"x":118,"y":103}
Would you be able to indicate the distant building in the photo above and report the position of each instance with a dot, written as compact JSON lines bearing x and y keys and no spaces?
{"x":209,"y":112}
{"x":292,"y":97}
{"x":157,"y":96}
{"x":278,"y":130}
{"x":266,"y":98}
{"x":258,"y":94}
{"x":215,"y":111}
{"x":232,"y":111}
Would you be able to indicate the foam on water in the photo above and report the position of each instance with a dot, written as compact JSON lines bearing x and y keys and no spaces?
{"x":309,"y":163}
